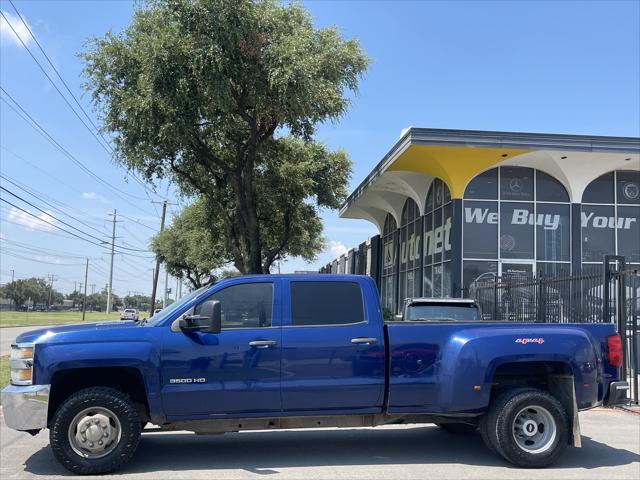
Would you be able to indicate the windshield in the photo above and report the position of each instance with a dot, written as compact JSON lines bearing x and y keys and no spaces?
{"x":440,"y":312}
{"x":164,"y":313}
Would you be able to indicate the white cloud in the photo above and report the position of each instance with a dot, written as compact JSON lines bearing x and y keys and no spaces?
{"x":337,"y":248}
{"x":32,"y":223}
{"x":95,"y":196}
{"x":7,"y":35}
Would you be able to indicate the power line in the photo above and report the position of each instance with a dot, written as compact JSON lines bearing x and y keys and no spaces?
{"x":63,"y":222}
{"x":102,"y":232}
{"x":58,"y":74}
{"x":49,"y":78}
{"x":45,"y":251}
{"x":66,"y":86}
{"x":16,"y":255}
{"x":42,"y":131}
{"x":64,"y":230}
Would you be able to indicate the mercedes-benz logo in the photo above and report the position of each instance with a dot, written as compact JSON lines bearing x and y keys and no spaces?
{"x":515,"y":185}
{"x":631,"y":191}
{"x":507,"y":242}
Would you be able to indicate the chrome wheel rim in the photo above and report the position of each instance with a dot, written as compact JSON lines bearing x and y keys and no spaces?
{"x":94,"y":432}
{"x":534,"y":429}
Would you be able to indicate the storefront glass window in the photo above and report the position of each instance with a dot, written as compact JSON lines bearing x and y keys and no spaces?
{"x":389,"y":258}
{"x":410,"y":250}
{"x":610,"y":218}
{"x":528,"y":228}
{"x":437,"y":241}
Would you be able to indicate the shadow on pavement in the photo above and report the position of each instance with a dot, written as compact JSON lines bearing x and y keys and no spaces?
{"x":265,"y":452}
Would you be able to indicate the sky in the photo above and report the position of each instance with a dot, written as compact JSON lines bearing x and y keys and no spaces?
{"x":553,"y":67}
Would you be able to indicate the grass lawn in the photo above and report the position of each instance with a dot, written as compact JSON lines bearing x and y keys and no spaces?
{"x":27,"y":319}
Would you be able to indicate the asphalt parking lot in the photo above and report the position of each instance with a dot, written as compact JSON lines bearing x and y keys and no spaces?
{"x":611,"y":450}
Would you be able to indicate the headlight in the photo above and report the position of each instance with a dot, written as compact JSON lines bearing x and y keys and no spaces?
{"x":22,"y":364}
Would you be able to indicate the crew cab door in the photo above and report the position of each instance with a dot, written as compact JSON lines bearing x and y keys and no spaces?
{"x":333,"y":347}
{"x":234,"y":372}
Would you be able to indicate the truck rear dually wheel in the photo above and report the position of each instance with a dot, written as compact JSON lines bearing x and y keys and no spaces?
{"x":528,"y":427}
{"x":94,"y":431}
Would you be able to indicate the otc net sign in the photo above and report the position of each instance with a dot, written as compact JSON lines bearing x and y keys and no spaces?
{"x":548,"y":221}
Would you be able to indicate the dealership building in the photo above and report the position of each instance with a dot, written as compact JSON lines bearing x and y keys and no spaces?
{"x":455,"y":206}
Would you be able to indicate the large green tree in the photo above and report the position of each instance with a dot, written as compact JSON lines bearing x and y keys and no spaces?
{"x":223,"y":97}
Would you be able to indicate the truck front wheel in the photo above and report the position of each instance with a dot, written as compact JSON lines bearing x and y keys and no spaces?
{"x":95,"y":431}
{"x":528,"y":427}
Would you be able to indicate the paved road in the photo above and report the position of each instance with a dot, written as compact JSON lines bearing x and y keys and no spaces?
{"x":611,"y":450}
{"x":9,"y":334}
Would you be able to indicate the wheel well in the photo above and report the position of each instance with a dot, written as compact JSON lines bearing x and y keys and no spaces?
{"x":527,"y":374}
{"x":128,"y":380}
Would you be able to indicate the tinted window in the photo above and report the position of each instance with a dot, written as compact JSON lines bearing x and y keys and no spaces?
{"x":484,"y":186}
{"x":480,"y":229}
{"x":516,"y":183}
{"x":326,"y":303}
{"x":600,"y":190}
{"x":443,"y":312}
{"x":247,"y":305}
{"x":516,"y":230}
{"x":553,"y":232}
{"x":598,"y":232}
{"x":474,"y":270}
{"x":548,"y":189}
{"x":628,"y":187}
{"x":629,"y":233}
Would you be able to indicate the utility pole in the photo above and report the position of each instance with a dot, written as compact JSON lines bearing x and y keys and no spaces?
{"x":113,"y":241}
{"x":93,"y":288}
{"x":84,"y":303}
{"x":52,"y":278}
{"x":13,"y":273}
{"x":156,"y":272}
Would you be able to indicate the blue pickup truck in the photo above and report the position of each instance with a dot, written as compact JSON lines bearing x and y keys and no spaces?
{"x":307,"y":351}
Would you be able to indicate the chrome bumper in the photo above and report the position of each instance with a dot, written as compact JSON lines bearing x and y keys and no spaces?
{"x":25,"y":407}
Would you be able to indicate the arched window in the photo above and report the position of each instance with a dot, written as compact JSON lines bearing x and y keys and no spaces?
{"x":437,"y":241}
{"x":388,"y":274}
{"x":516,"y":221}
{"x":610,"y":217}
{"x":410,"y":250}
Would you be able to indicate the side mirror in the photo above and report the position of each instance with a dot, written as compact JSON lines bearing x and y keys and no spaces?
{"x":208,"y":321}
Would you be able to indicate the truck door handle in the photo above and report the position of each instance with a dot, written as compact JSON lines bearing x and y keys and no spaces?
{"x":262,"y":343}
{"x":364,"y":341}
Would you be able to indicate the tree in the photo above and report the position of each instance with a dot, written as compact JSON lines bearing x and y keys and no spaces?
{"x":196,"y":90}
{"x":193,"y":244}
{"x":20,"y":291}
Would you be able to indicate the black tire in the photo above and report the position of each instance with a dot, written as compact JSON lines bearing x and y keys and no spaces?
{"x":483,"y":427}
{"x":458,"y":428}
{"x":108,"y":398}
{"x":500,"y":422}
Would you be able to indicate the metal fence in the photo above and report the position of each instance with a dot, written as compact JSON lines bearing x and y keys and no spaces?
{"x":612,"y":295}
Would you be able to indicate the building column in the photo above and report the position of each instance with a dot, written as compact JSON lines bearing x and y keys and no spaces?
{"x":456,"y":249}
{"x":576,"y":239}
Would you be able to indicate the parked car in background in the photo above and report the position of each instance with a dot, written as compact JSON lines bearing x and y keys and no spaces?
{"x":129,"y":314}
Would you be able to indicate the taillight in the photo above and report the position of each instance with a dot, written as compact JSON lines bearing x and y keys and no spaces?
{"x":614,"y":350}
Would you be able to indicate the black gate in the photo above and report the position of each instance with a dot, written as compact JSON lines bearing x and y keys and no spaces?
{"x":611,"y":295}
